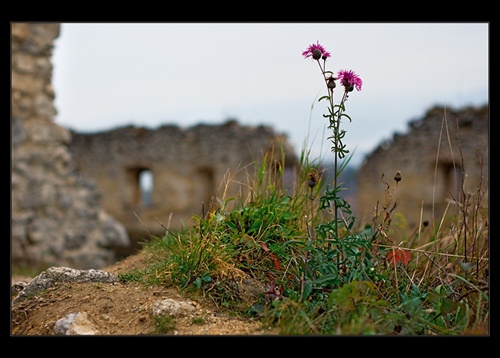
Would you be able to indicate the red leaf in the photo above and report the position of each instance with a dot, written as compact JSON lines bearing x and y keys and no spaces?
{"x":405,"y":257}
{"x":273,"y":256}
{"x":392,"y":257}
{"x":396,"y":255}
{"x":276,"y":261}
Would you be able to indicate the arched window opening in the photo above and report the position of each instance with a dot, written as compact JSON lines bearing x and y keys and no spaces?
{"x":146,"y":181}
{"x":207,"y":187}
{"x":452,"y":181}
{"x":141,"y":182}
{"x":456,"y":182}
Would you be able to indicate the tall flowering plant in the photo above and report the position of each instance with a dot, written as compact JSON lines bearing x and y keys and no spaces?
{"x":349,"y":80}
{"x":329,"y":261}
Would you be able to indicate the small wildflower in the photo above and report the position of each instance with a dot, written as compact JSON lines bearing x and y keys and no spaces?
{"x":349,"y":79}
{"x":316,"y":51}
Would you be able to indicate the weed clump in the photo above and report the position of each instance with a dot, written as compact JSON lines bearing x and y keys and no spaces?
{"x":297,"y":259}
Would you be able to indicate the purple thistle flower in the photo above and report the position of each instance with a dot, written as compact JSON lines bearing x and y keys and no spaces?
{"x":349,"y":79}
{"x":316,"y":51}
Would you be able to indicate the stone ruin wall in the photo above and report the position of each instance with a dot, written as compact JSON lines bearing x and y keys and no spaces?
{"x":190,"y":167}
{"x":75,"y":196}
{"x":56,"y":218}
{"x":415,"y":155}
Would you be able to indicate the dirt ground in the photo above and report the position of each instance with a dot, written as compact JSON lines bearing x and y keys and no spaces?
{"x":121,"y":309}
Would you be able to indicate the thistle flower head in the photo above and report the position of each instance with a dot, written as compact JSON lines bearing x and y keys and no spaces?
{"x":316,"y":51}
{"x":349,"y":79}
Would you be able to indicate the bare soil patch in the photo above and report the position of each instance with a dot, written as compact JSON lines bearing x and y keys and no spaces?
{"x":122,"y":309}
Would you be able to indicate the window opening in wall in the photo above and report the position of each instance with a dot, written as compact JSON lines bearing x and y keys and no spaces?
{"x":207,"y":186}
{"x":146,"y":187}
{"x":452,"y":181}
{"x":140,"y":183}
{"x":456,"y":182}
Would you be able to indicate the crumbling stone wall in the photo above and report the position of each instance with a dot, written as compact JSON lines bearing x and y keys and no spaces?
{"x":56,"y":216}
{"x":431,"y":158}
{"x":190,"y":167}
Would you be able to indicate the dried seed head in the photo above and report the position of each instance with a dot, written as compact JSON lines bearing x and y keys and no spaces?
{"x":397,"y":176}
{"x":331,"y":82}
{"x":313,"y":178}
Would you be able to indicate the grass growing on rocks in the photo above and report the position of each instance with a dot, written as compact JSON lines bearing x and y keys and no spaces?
{"x":306,"y":281}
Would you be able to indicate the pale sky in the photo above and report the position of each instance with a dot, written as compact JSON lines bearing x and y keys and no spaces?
{"x":150,"y":74}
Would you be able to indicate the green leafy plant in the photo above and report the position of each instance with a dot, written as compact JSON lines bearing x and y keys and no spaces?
{"x":319,"y":271}
{"x":165,"y":324}
{"x":332,"y":254}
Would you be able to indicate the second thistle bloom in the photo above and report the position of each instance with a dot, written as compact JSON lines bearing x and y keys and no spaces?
{"x":316,"y":51}
{"x":349,"y":79}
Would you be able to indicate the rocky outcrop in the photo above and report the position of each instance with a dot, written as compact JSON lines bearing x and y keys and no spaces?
{"x":95,"y":302}
{"x":56,"y":214}
{"x":55,"y":275}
